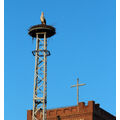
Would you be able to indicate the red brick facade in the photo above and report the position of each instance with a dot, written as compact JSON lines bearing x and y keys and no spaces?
{"x":91,"y":111}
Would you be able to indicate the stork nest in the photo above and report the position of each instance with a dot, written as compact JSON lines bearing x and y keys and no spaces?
{"x":41,"y":28}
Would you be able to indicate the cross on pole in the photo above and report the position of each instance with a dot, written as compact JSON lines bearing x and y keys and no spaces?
{"x":77,"y":89}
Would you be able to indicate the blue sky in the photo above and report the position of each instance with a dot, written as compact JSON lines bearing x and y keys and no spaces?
{"x":84,"y":46}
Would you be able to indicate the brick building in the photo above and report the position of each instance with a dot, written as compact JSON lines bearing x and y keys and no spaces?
{"x":91,"y":111}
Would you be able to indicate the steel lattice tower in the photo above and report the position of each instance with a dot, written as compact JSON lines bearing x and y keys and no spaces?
{"x":41,"y":33}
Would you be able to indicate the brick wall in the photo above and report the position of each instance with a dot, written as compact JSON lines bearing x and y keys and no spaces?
{"x":91,"y":111}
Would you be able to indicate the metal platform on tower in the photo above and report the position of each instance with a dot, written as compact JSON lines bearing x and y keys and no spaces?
{"x":50,"y":30}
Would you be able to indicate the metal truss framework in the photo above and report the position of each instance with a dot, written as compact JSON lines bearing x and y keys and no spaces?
{"x":40,"y":78}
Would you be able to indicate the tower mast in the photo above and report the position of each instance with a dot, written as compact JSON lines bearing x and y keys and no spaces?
{"x":41,"y":33}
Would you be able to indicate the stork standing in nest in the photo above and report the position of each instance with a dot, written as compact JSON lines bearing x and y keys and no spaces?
{"x":42,"y":18}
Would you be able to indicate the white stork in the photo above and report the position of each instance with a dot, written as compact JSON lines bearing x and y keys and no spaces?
{"x":42,"y":18}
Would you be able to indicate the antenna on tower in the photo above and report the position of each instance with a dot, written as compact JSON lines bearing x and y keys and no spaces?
{"x":41,"y":32}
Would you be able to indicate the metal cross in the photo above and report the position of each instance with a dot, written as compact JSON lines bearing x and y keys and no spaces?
{"x":77,"y":89}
